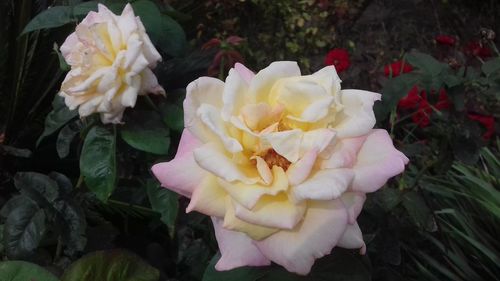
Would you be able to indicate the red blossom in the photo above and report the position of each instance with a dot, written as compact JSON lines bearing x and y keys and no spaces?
{"x":487,"y":121}
{"x":339,"y":58}
{"x":443,"y":101}
{"x":411,"y":100}
{"x":446,"y":40}
{"x":475,"y":48}
{"x":422,"y":116}
{"x":417,"y":99}
{"x":395,"y":68}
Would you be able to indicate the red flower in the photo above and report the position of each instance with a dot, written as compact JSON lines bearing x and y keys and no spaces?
{"x":338,"y":58}
{"x":443,"y":101}
{"x":474,"y":48}
{"x":395,"y":69}
{"x":417,"y":99}
{"x":422,"y":116}
{"x":487,"y":121}
{"x":445,"y":40}
{"x":411,"y":100}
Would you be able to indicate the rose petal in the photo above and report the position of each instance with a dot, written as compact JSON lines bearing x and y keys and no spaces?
{"x":249,"y":194}
{"x":352,"y":239}
{"x":181,"y":174}
{"x":231,"y":222}
{"x":357,"y":117}
{"x":210,"y":116}
{"x":210,"y":157}
{"x":272,"y":211}
{"x":236,"y":249}
{"x":344,"y":153}
{"x":353,"y":201}
{"x":204,"y":90}
{"x":323,"y":185}
{"x":234,"y":94}
{"x":324,"y":224}
{"x":208,"y":198}
{"x":244,"y":72}
{"x":377,"y":161}
{"x":285,"y":143}
{"x":300,"y":170}
{"x":265,"y":79}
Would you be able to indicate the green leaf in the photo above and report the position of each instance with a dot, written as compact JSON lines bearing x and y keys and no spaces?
{"x":341,"y":265}
{"x":58,"y":117}
{"x":164,"y":202}
{"x":81,"y":10}
{"x":98,"y":161}
{"x":24,"y":271}
{"x":173,"y":116}
{"x":419,"y":212}
{"x":2,"y":247}
{"x":12,"y":204}
{"x":14,"y":151}
{"x":52,"y":17}
{"x":164,"y":32}
{"x":64,"y":184}
{"x":24,"y":229}
{"x":38,"y":187}
{"x":66,"y":136}
{"x":115,"y":265}
{"x":491,"y":66}
{"x":394,"y":90}
{"x":426,"y":63}
{"x":74,"y":226}
{"x":144,"y":130}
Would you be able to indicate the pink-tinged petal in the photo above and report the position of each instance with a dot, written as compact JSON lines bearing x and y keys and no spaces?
{"x":244,"y":72}
{"x":377,"y":161}
{"x":300,"y":170}
{"x":92,"y":18}
{"x":204,"y":90}
{"x":274,"y":211}
{"x":353,"y":239}
{"x":181,"y":174}
{"x":344,"y":153}
{"x":296,"y":250}
{"x":353,"y":202}
{"x":208,"y":198}
{"x":236,"y":249}
{"x":69,"y":45}
{"x":263,"y":169}
{"x":323,"y":185}
{"x":318,"y":140}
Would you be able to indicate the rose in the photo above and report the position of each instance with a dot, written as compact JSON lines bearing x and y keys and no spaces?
{"x":339,"y":58}
{"x":281,"y":162}
{"x":111,"y":58}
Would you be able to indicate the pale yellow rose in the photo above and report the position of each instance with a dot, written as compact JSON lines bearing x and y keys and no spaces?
{"x":281,"y":162}
{"x":111,"y":58}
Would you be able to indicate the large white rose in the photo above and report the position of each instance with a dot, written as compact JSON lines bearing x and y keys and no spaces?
{"x":111,"y":58}
{"x":281,"y":162}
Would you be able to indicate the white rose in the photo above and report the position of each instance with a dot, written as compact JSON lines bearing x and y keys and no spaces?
{"x":111,"y":58}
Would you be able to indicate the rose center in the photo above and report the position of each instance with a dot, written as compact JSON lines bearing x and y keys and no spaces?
{"x":272,"y":158}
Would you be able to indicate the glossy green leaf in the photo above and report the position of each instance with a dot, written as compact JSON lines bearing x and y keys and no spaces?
{"x":98,"y":161}
{"x":114,"y":265}
{"x":24,"y":229}
{"x":491,"y":66}
{"x":144,"y":130}
{"x":164,"y":202}
{"x":426,"y":63}
{"x":52,"y":17}
{"x":38,"y":187}
{"x":81,"y":10}
{"x":74,"y":226}
{"x":65,"y":187}
{"x":58,"y":117}
{"x":165,"y":32}
{"x":12,"y":204}
{"x":419,"y":212}
{"x":66,"y":136}
{"x":173,"y":116}
{"x":394,"y":90}
{"x":24,"y":271}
